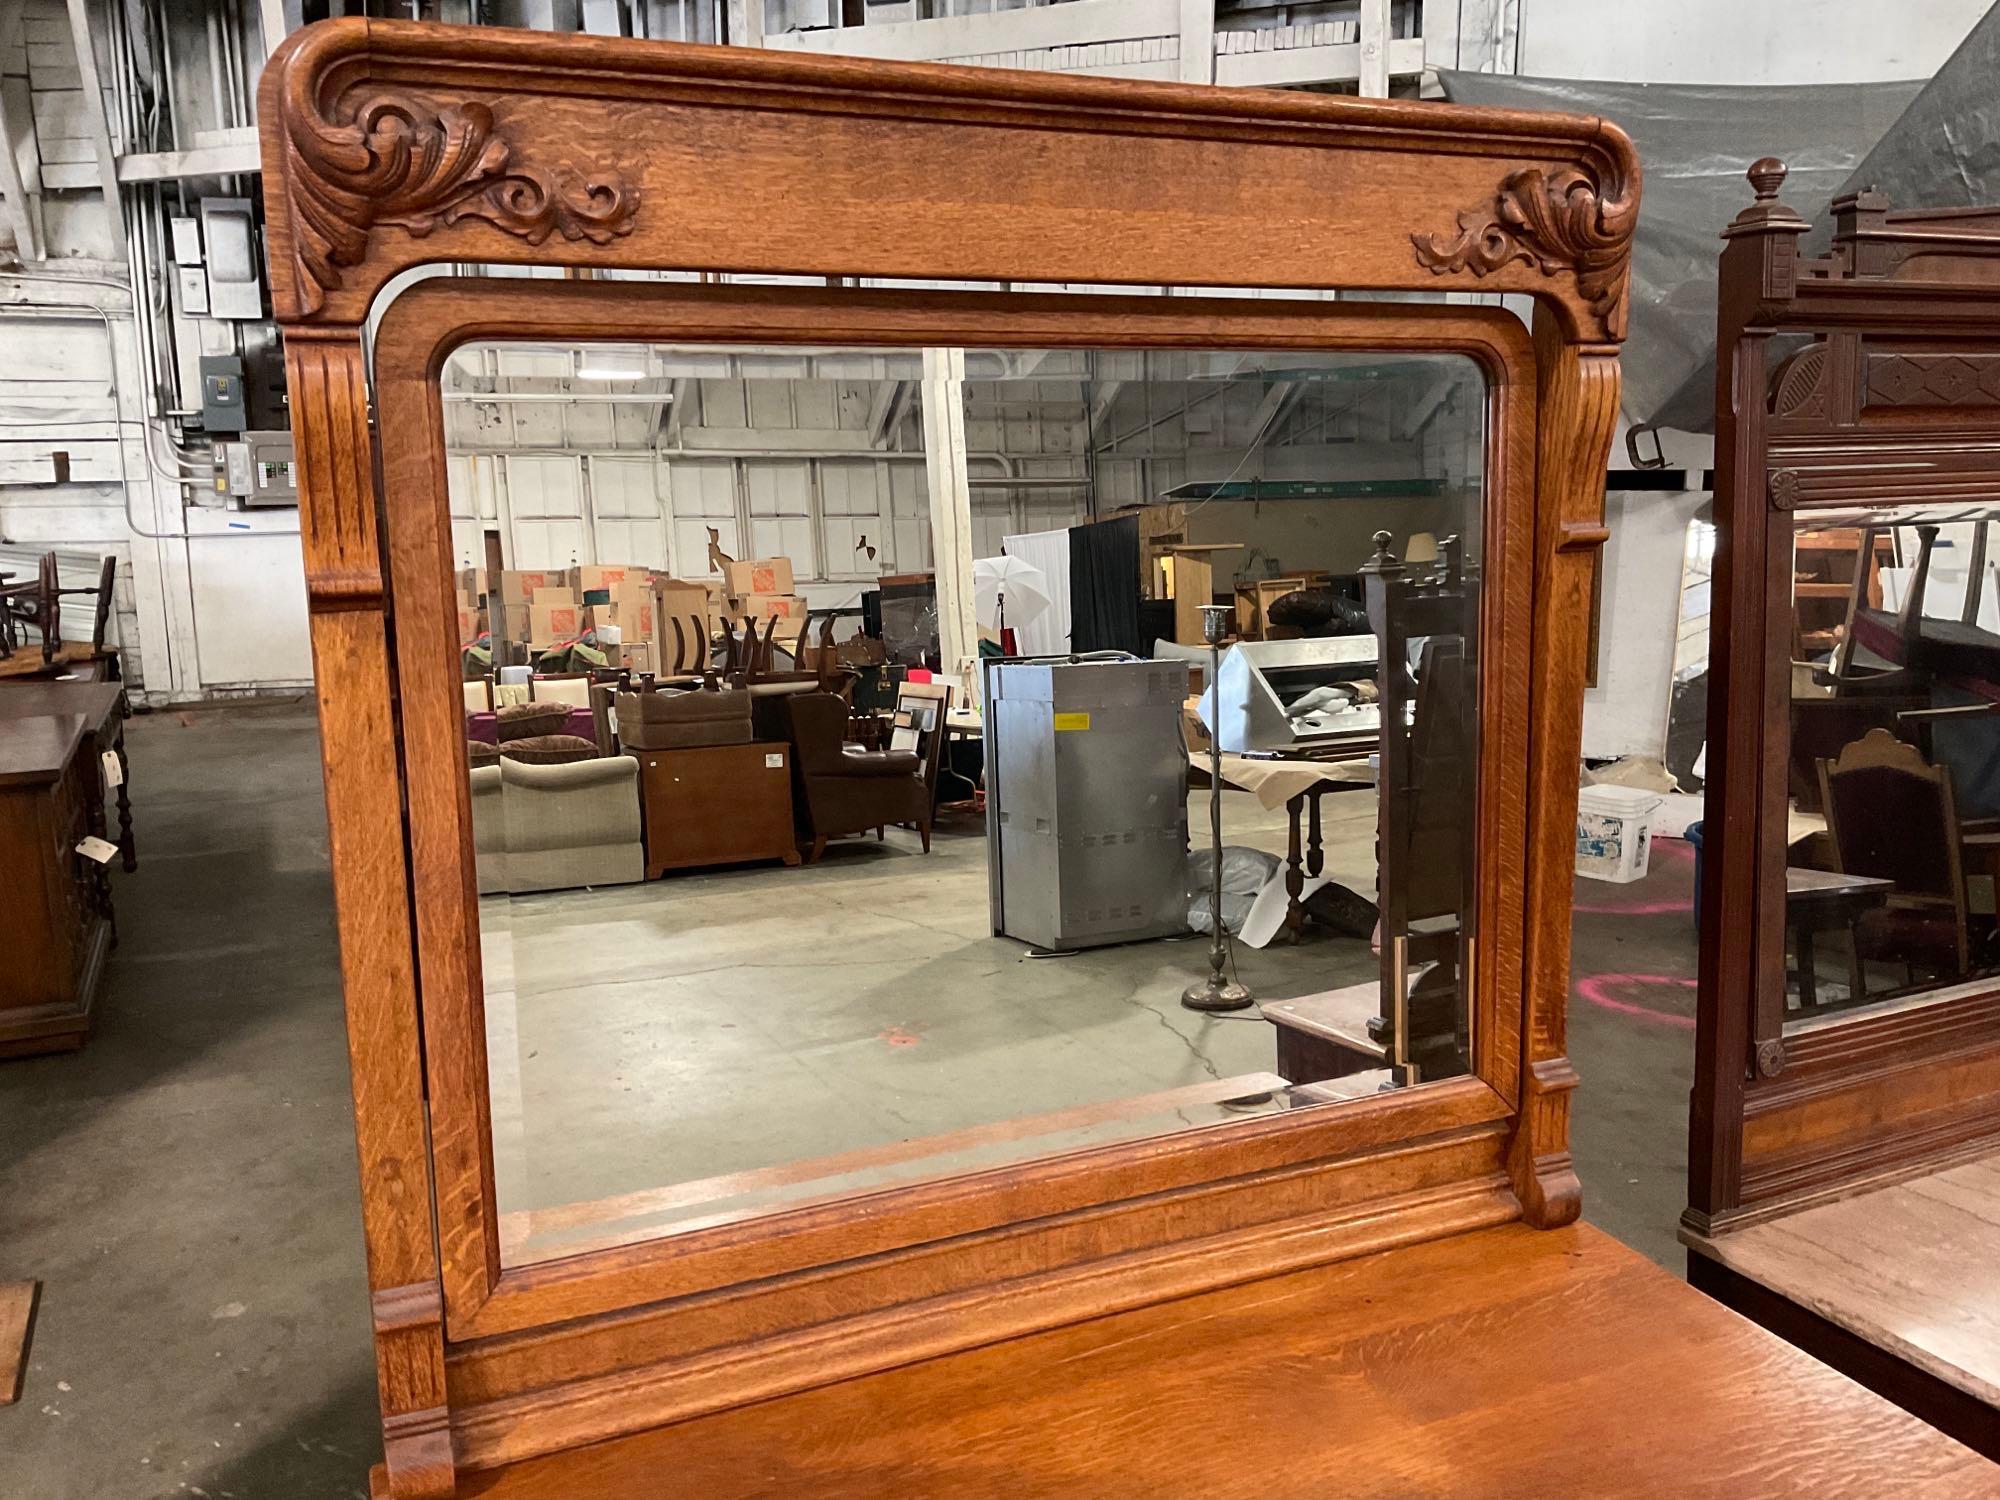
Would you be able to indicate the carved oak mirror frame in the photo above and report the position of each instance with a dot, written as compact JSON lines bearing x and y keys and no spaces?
{"x":1875,"y":411}
{"x":390,"y":145}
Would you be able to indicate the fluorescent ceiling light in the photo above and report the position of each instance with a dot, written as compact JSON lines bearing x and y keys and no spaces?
{"x":614,"y":362}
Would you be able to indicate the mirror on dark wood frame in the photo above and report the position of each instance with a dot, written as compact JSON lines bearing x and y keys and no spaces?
{"x":814,"y":863}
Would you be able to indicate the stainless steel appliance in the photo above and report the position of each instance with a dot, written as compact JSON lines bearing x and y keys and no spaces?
{"x":1086,"y":799}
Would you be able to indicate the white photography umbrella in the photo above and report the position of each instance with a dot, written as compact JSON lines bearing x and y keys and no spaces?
{"x":1007,"y":586}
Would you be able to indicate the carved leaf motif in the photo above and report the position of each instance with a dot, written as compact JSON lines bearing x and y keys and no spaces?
{"x":401,"y":160}
{"x":1557,"y":221}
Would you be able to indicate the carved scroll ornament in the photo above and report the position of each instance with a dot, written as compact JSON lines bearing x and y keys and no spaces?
{"x":404,"y":161}
{"x":1559,"y":221}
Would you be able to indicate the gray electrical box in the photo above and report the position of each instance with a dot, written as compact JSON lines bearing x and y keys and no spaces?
{"x":229,"y":233}
{"x":221,"y":393}
{"x":257,"y":470}
{"x":1086,"y":800}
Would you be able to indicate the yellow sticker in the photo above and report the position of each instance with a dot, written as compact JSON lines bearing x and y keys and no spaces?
{"x":1072,"y":721}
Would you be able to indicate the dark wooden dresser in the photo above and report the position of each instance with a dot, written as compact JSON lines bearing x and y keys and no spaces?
{"x":55,"y":905}
{"x":717,"y":805}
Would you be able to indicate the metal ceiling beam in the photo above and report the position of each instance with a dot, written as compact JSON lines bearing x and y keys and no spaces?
{"x":18,"y":154}
{"x":1430,"y":403}
{"x":94,"y":113}
{"x":883,"y":410}
{"x":1100,"y":404}
{"x":227,"y":151}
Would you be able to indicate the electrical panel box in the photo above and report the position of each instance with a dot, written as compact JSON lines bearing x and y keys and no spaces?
{"x":229,"y":232}
{"x":222,"y":393}
{"x":194,"y":289}
{"x":257,"y":470}
{"x":187,"y":241}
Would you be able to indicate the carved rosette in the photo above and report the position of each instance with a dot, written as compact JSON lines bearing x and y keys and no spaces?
{"x":1558,"y":221}
{"x":401,"y":160}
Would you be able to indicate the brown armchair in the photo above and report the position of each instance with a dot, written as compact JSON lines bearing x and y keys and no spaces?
{"x":839,"y":790}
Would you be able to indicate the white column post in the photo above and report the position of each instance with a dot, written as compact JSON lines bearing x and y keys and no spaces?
{"x":1197,"y":41}
{"x":950,"y":506}
{"x":1374,"y":49}
{"x":746,"y":23}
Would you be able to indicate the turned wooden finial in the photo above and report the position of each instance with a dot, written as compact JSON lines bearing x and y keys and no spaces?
{"x":1767,"y":175}
{"x":1382,"y":560}
{"x":1766,"y":216}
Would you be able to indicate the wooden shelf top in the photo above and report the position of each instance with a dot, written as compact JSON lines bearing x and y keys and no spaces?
{"x":1500,"y":1363}
{"x":36,"y":749}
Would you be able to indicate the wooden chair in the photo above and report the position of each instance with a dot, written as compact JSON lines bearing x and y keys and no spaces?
{"x":747,"y":653}
{"x":1902,"y":675}
{"x":692,"y":650}
{"x":1891,"y":814}
{"x":923,"y":701}
{"x":572,"y":688}
{"x":38,"y":604}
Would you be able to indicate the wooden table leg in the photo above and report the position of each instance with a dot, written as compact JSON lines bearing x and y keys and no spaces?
{"x":1857,"y":971}
{"x":1808,"y":970}
{"x":1315,"y":852}
{"x":126,"y":846}
{"x":1295,"y":879}
{"x":95,"y":823}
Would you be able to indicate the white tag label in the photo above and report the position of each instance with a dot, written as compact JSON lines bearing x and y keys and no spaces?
{"x":114,"y":774}
{"x":775,"y":762}
{"x":98,"y":849}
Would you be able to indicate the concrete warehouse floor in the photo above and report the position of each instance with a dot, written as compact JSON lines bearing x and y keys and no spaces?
{"x":742,"y":1040}
{"x":185,"y":1187}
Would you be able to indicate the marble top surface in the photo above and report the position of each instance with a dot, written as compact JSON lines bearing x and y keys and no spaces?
{"x":1913,"y":1267}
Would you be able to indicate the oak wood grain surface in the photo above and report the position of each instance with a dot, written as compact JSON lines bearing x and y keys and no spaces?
{"x":18,"y":1300}
{"x":433,"y":318}
{"x":1506,"y":1363}
{"x":1913,"y":1267}
{"x":387,"y":145}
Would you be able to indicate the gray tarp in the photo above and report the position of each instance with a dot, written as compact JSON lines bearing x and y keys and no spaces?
{"x":1945,"y":150}
{"x":1695,"y":142}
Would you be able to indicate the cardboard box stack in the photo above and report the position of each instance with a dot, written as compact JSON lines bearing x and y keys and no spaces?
{"x":540,"y":608}
{"x":472,"y":610}
{"x":623,"y":599}
{"x":761,"y":589}
{"x":517,"y":597}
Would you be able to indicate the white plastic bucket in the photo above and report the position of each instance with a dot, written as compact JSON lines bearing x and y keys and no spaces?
{"x":1614,"y":832}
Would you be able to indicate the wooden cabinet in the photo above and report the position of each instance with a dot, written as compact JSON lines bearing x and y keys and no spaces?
{"x":717,"y":805}
{"x":55,"y":907}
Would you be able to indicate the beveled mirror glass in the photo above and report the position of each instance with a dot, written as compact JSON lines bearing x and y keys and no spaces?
{"x":782,"y":900}
{"x":1892,"y":737}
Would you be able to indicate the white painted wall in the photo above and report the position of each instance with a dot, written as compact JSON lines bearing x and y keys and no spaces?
{"x":1740,"y":41}
{"x":1626,"y":713}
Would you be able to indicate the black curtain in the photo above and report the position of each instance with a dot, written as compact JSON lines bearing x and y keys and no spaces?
{"x":1104,"y":586}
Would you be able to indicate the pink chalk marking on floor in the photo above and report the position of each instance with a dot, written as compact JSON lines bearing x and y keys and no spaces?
{"x":896,"y":1036}
{"x":1595,"y":988}
{"x":1665,"y":851}
{"x":1637,"y":909}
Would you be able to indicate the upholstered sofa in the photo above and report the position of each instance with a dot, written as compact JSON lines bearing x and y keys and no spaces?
{"x":554,"y":827}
